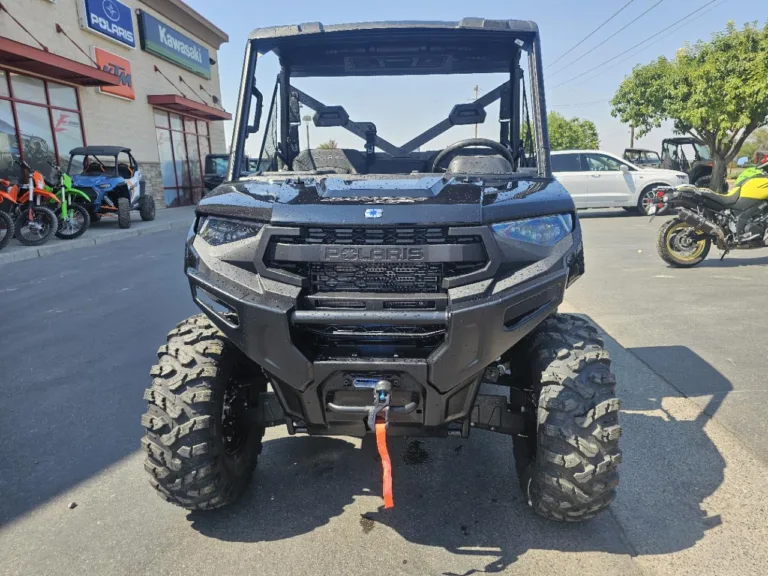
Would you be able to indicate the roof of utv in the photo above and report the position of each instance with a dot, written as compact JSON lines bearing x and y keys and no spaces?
{"x":471,"y":45}
{"x":98,"y":150}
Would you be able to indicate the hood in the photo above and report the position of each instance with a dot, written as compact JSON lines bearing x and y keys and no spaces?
{"x":661,"y":172}
{"x":431,"y":200}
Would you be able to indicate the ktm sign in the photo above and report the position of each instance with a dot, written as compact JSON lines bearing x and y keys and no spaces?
{"x":121,"y":68}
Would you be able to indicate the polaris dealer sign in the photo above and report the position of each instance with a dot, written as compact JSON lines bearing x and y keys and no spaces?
{"x":167,"y":43}
{"x":109,"y":18}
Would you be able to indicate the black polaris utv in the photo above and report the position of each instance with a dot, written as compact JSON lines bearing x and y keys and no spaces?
{"x":686,"y":154}
{"x":383,"y":288}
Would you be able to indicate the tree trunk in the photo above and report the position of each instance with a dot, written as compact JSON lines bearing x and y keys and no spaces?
{"x":719,"y":172}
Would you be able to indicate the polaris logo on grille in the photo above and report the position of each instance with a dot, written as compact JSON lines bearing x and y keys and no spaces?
{"x":371,"y":254}
{"x":374,"y":213}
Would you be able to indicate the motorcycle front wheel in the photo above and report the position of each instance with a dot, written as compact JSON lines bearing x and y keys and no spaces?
{"x":37,"y":230}
{"x":73,"y":224}
{"x":679,"y":246}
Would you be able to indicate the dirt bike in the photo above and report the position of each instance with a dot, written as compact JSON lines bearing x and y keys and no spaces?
{"x":74,"y":218}
{"x":736,"y":220}
{"x":34,"y":223}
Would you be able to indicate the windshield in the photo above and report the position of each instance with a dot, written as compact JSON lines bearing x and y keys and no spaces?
{"x":344,"y":119}
{"x":703,"y":152}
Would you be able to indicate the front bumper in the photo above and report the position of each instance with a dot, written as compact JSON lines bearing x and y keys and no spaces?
{"x":482,"y":319}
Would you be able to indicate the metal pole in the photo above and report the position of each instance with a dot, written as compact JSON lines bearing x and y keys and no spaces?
{"x":632,"y":137}
{"x":477,"y":91}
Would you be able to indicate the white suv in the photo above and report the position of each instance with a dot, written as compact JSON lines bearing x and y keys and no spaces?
{"x":600,"y":180}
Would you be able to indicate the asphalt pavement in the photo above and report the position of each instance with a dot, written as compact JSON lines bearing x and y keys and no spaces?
{"x":79,"y":332}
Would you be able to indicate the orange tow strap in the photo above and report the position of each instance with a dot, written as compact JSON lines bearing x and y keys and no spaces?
{"x":386,"y":463}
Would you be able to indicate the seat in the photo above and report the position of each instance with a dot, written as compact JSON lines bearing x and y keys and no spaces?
{"x":94,"y":168}
{"x":125,"y":171}
{"x":726,"y":200}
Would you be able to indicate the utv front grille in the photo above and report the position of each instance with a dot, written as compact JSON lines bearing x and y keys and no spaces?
{"x":397,"y":277}
{"x":401,"y":236}
{"x":387,"y":277}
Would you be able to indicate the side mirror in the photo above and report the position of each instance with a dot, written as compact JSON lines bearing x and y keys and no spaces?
{"x":743,"y":161}
{"x":254,"y":127}
{"x":624,"y":168}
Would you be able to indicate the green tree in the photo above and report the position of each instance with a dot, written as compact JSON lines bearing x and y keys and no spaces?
{"x":571,"y":133}
{"x":757,"y":141}
{"x":715,"y":91}
{"x":329,"y":145}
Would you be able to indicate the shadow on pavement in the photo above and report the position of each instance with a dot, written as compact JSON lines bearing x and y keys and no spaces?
{"x":76,"y":346}
{"x":461,"y":495}
{"x":729,"y":262}
{"x":608,"y":213}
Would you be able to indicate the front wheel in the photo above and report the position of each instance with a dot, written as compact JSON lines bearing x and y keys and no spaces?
{"x":201,"y":441}
{"x":38,"y":229}
{"x":74,"y":223}
{"x":6,"y":229}
{"x":123,"y":213}
{"x":680,"y":246}
{"x":567,"y":460}
{"x":147,"y":208}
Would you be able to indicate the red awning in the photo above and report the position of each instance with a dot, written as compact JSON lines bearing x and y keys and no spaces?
{"x":190,"y":107}
{"x":30,"y":59}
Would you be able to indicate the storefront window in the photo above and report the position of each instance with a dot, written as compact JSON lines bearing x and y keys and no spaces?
{"x":37,"y":119}
{"x":182,"y":150}
{"x":9,"y":148}
{"x":4,"y":86}
{"x":62,"y":96}
{"x":69,"y":134}
{"x":28,"y":89}
{"x":36,"y":136}
{"x":161,"y":119}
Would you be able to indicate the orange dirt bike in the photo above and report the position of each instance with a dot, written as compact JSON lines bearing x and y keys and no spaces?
{"x":34,"y":224}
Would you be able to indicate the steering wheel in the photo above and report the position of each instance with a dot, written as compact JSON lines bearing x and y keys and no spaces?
{"x":471,"y":143}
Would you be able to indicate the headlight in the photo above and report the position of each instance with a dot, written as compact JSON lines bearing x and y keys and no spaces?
{"x":105,"y":186}
{"x":218,"y":231}
{"x":544,"y":231}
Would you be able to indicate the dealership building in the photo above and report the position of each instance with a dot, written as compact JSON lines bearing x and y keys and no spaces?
{"x":135,"y":73}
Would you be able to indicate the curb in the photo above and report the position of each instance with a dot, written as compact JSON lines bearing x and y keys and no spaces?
{"x":115,"y":236}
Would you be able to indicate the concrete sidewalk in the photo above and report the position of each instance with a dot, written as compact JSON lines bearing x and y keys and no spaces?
{"x":102,"y":233}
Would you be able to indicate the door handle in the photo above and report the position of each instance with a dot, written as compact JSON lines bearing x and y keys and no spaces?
{"x":595,"y":175}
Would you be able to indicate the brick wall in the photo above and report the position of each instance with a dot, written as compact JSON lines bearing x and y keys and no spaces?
{"x":154,"y":179}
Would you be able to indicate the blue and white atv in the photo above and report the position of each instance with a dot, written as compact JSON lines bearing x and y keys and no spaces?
{"x":111,"y":178}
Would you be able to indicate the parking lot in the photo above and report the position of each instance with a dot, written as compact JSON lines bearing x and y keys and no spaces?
{"x":79,"y":333}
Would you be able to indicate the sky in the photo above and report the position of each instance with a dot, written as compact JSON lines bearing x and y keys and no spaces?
{"x":403,"y":107}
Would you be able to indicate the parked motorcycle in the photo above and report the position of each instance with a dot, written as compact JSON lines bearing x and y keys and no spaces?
{"x":34,"y":223}
{"x":736,"y":220}
{"x":74,"y":218}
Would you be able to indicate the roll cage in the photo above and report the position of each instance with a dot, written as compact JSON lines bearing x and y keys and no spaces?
{"x":389,"y":49}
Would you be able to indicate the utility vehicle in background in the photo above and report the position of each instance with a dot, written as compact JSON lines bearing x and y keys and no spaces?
{"x":111,"y":178}
{"x":377,"y":290}
{"x":688,"y":155}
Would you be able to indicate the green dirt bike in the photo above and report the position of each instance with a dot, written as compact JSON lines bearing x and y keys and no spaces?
{"x":74,"y":218}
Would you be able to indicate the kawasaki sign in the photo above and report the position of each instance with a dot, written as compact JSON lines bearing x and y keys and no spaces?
{"x":109,"y":18}
{"x":163,"y":41}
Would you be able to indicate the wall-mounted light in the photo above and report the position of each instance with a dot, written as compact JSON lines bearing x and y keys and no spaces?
{"x":212,"y":61}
